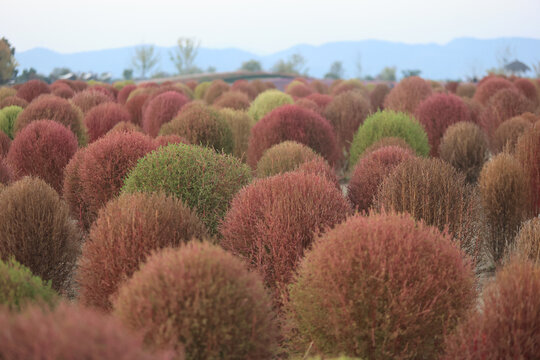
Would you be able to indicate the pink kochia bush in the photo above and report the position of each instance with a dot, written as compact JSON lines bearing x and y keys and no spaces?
{"x":489,"y":87}
{"x":272,"y":222}
{"x":32,"y":89}
{"x":380,"y":287}
{"x":291,"y":122}
{"x":407,"y":95}
{"x":42,"y":149}
{"x":504,"y":105}
{"x":5,"y":143}
{"x":102,"y":118}
{"x":87,"y":99}
{"x":161,"y":110}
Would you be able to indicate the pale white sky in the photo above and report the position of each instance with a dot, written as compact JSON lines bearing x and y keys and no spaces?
{"x":258,"y":26}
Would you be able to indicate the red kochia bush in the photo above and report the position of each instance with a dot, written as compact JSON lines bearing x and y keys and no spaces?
{"x":162,"y":109}
{"x":102,"y":118}
{"x":299,"y":90}
{"x":380,"y":287}
{"x":321,"y":100}
{"x":62,"y":90}
{"x":235,"y":100}
{"x":370,"y":171}
{"x":319,"y":87}
{"x":87,"y":99}
{"x":6,"y":174}
{"x":528,"y":154}
{"x":105,"y":164}
{"x":126,"y":231}
{"x":124,"y":126}
{"x":489,"y":87}
{"x":67,"y":332}
{"x":32,"y":89}
{"x":407,"y":95}
{"x":437,"y":113}
{"x":5,"y":143}
{"x":134,"y":105}
{"x":165,"y":140}
{"x":124,"y":93}
{"x":273,"y":220}
{"x":72,"y":190}
{"x":291,"y":122}
{"x":215,"y":90}
{"x":43,"y":149}
{"x":245,"y":87}
{"x":13,"y":101}
{"x":377,"y":96}
{"x":505,"y":104}
{"x":527,"y":88}
{"x":506,"y":326}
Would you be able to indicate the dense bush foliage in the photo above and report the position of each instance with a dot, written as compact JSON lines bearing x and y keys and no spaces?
{"x":320,"y":167}
{"x":162,"y":109}
{"x":8,"y":117}
{"x":245,"y":87}
{"x":87,"y":99}
{"x":102,"y":118}
{"x":266,"y":102}
{"x":124,"y":126}
{"x":387,"y":141}
{"x":379,"y":287}
{"x":466,"y":90}
{"x":32,"y":89}
{"x":527,"y":88}
{"x":125,"y":232}
{"x":528,"y":154}
{"x":377,"y":96}
{"x":283,"y":157}
{"x":504,"y":105}
{"x":240,"y":124}
{"x":13,"y":101}
{"x":527,"y":242}
{"x":507,"y":134}
{"x":202,"y":300}
{"x":298,"y":90}
{"x":6,"y":91}
{"x":72,"y":190}
{"x":235,"y":100}
{"x":215,"y":90}
{"x":200,"y":90}
{"x":165,"y":140}
{"x":5,"y":143}
{"x":123,"y":94}
{"x":135,"y":105}
{"x":6,"y":174}
{"x":407,"y":95}
{"x":321,"y":100}
{"x":274,"y":220}
{"x":489,"y":87}
{"x":203,"y":179}
{"x":35,"y":228}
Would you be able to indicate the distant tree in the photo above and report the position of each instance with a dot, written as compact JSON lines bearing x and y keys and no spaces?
{"x":127,"y":74}
{"x":145,"y":59}
{"x":536,"y":68}
{"x":7,"y":61}
{"x":293,"y":65}
{"x":411,"y":72}
{"x":183,"y":57}
{"x":160,"y":75}
{"x":336,"y":71}
{"x":387,"y":74}
{"x":251,"y":65}
{"x":56,"y":73}
{"x":211,"y":69}
{"x":30,"y":74}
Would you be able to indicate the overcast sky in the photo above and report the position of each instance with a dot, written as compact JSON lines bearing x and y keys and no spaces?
{"x":259,"y":26}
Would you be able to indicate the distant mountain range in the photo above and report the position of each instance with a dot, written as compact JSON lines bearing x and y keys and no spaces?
{"x":455,"y":60}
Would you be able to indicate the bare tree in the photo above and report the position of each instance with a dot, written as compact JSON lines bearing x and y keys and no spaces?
{"x":145,"y":59}
{"x":359,"y":65}
{"x":184,"y":55}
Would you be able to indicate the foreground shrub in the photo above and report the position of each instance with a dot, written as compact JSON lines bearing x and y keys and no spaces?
{"x":321,"y":100}
{"x":134,"y":105}
{"x":67,"y":332}
{"x":505,"y":104}
{"x":528,"y":154}
{"x":200,"y":89}
{"x":8,"y":117}
{"x":527,"y":88}
{"x":56,"y":109}
{"x":126,"y":231}
{"x":489,"y":87}
{"x":267,"y":101}
{"x":162,"y":109}
{"x":240,"y":124}
{"x":35,"y":228}
{"x":437,"y":113}
{"x":527,"y":242}
{"x":215,"y":90}
{"x":274,"y":220}
{"x":201,"y":125}
{"x":19,"y":288}
{"x":291,"y":122}
{"x":466,"y":90}
{"x":6,"y":174}
{"x":436,"y":193}
{"x":378,"y":95}
{"x":505,"y":193}
{"x":43,"y":149}
{"x":102,"y":118}
{"x":5,"y":143}
{"x":363,"y":291}
{"x":72,"y":190}
{"x":388,"y":124}
{"x":123,"y":94}
{"x":62,"y":90}
{"x":407,"y":95}
{"x":370,"y":171}
{"x":507,"y":134}
{"x":235,"y":100}
{"x":283,"y":157}
{"x":87,"y":99}
{"x":204,"y":180}
{"x":506,"y":326}
{"x":464,"y":146}
{"x":13,"y":101}
{"x":32,"y":89}
{"x":320,"y":167}
{"x":189,"y":298}
{"x":6,"y":91}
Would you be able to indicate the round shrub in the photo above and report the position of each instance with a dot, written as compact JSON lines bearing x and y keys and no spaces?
{"x":200,"y":124}
{"x":283,"y":157}
{"x":466,"y":90}
{"x":505,"y":193}
{"x":53,"y":108}
{"x":42,"y":149}
{"x":262,"y":86}
{"x":124,"y":93}
{"x":35,"y":228}
{"x":7,"y":92}
{"x":6,"y":174}
{"x":63,"y":91}
{"x":32,"y":89}
{"x":308,"y":104}
{"x":465,"y":147}
{"x":124,"y":234}
{"x":407,"y":95}
{"x":528,"y":154}
{"x":165,"y":140}
{"x":72,"y":190}
{"x":489,"y":87}
{"x":162,"y":109}
{"x":436,"y":193}
{"x":387,"y":141}
{"x":320,"y":167}
{"x":154,"y":93}
{"x":319,"y":87}
{"x":350,"y":85}
{"x":202,"y":300}
{"x":87,"y":99}
{"x":378,"y":95}
{"x":67,"y":332}
{"x":5,"y":143}
{"x":437,"y":113}
{"x":200,"y":90}
{"x":291,"y":122}
{"x":274,"y":220}
{"x":451,"y":86}
{"x":298,"y":90}
{"x":527,"y":242}
{"x":106,"y":89}
{"x":8,"y":118}
{"x":388,"y":123}
{"x":267,"y":101}
{"x":192,"y":84}
{"x":370,"y":171}
{"x":380,"y":287}
{"x":135,"y":105}
{"x":215,"y":90}
{"x":245,"y":87}
{"x":346,"y":113}
{"x":102,"y":118}
{"x":203,"y":179}
{"x":321,"y":100}
{"x":505,"y":104}
{"x":506,"y":326}
{"x":527,"y":88}
{"x":475,"y":108}
{"x":507,"y":134}
{"x":236,"y":100}
{"x":106,"y":162}
{"x":19,"y":288}
{"x":124,"y":126}
{"x":240,"y":124}
{"x":13,"y":101}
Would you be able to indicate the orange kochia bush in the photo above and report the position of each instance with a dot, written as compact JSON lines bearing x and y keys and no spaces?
{"x":102,"y":118}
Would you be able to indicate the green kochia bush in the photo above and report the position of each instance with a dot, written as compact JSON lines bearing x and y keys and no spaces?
{"x":268,"y":101}
{"x":389,"y":124}
{"x":8,"y":116}
{"x":380,"y":287}
{"x":205,"y":180}
{"x":18,"y":287}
